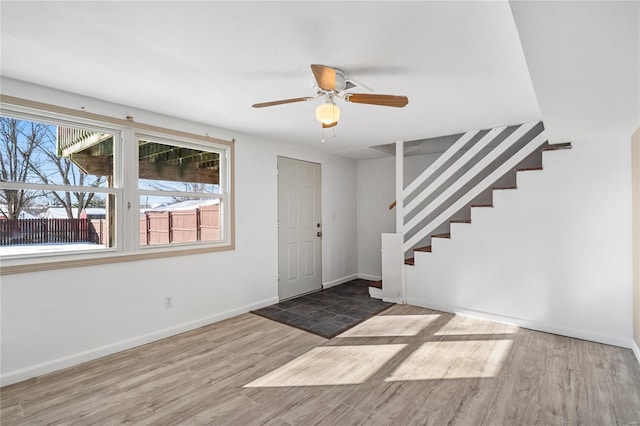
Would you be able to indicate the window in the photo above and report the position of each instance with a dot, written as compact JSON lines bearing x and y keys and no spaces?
{"x":76,"y":187}
{"x":56,"y":197}
{"x":179,"y":191}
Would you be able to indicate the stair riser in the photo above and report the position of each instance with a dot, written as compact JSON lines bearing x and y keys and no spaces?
{"x":479,"y":213}
{"x":437,"y":243}
{"x":500,"y":197}
{"x":555,"y":159}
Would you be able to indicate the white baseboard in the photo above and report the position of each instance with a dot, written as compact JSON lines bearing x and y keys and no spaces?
{"x":524,"y":323}
{"x":339,"y":281}
{"x":91,"y":354}
{"x":349,"y":278}
{"x":369,"y":277}
{"x":636,"y":349}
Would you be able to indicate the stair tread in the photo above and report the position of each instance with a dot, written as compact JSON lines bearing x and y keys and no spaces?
{"x":376,"y":284}
{"x":527,"y":169}
{"x":410,"y":261}
{"x":556,"y":146}
{"x":481,"y":205}
{"x":448,"y":235}
{"x":460,"y":221}
{"x":501,"y":188}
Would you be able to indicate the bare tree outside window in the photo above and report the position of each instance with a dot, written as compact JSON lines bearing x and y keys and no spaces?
{"x":63,"y":171}
{"x":29,"y":154}
{"x":19,"y":142}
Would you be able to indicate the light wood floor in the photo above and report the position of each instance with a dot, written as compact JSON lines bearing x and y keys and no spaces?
{"x":406,"y":366}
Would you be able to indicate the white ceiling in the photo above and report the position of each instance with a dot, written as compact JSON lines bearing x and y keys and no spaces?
{"x":460,"y":63}
{"x":584,"y":60}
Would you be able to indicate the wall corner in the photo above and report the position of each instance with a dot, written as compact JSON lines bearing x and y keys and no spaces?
{"x":635,"y":195}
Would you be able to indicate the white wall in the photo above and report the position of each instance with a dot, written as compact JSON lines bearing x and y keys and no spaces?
{"x":58,"y":318}
{"x":376,"y":190}
{"x":553,"y":255}
{"x":635,"y":185}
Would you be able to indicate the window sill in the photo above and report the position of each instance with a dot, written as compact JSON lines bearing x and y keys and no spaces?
{"x":34,"y":265}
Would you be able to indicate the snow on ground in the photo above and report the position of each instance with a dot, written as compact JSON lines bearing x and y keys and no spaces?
{"x":47,"y":248}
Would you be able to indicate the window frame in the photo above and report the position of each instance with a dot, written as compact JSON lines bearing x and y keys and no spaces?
{"x":125,"y":188}
{"x":223,"y":196}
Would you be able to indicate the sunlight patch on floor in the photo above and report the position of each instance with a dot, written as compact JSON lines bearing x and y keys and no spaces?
{"x":453,"y":360}
{"x":461,"y":324}
{"x":330,"y":365}
{"x":391,"y":325}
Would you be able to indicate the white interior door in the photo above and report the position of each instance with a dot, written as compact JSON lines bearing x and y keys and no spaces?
{"x":299,"y":228}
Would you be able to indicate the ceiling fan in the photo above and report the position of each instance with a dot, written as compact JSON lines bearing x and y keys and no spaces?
{"x":332,"y":84}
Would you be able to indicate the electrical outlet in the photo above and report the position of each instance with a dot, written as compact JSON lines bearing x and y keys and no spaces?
{"x":168,"y":302}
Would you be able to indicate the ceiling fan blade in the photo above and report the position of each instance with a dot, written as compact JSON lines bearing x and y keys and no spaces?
{"x":325,"y":76}
{"x":283,"y":101}
{"x":383,"y":100}
{"x":328,"y":126}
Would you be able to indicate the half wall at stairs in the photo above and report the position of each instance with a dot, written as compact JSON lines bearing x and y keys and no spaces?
{"x":553,"y":255}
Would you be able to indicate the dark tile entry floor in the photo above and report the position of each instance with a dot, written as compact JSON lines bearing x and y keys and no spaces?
{"x":328,"y":312}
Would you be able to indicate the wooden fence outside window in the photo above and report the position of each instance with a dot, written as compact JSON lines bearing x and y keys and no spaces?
{"x":156,"y":227}
{"x":180,"y":226}
{"x":48,"y":231}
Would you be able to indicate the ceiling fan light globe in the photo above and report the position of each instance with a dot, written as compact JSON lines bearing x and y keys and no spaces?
{"x":327,"y":113}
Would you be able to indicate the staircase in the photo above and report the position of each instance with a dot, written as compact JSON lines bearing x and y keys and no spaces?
{"x":465,"y":177}
{"x":544,"y":148}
